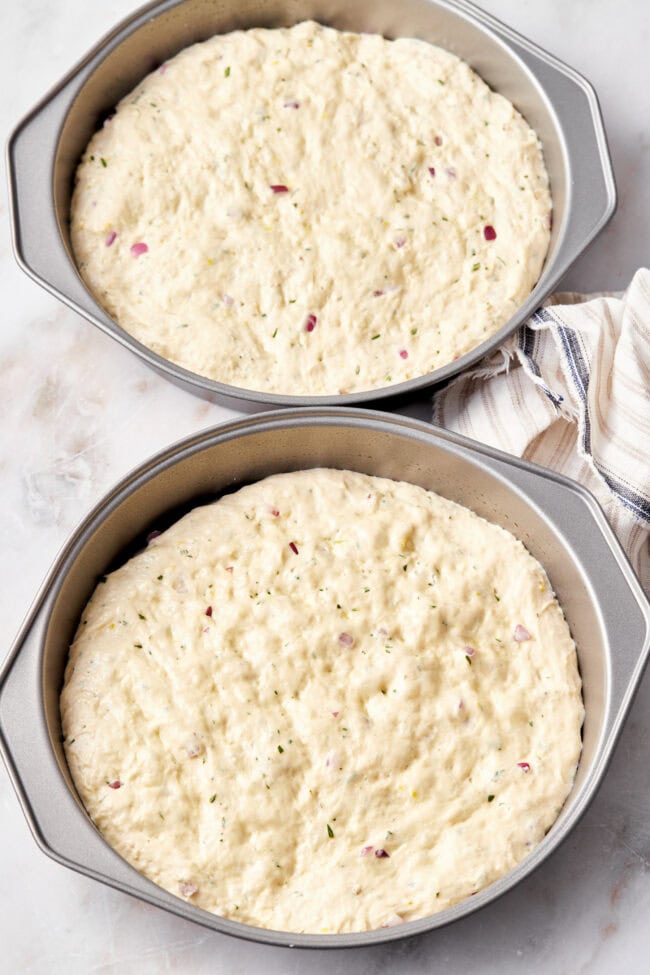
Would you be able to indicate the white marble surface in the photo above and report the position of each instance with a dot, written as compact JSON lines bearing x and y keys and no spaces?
{"x":78,"y":412}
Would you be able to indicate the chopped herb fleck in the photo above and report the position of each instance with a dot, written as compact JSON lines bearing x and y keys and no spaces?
{"x":490,"y":798}
{"x":226,"y":73}
{"x":377,"y":336}
{"x":141,"y":616}
{"x":330,"y":832}
{"x":280,"y":749}
{"x":212,"y":798}
{"x":103,"y":162}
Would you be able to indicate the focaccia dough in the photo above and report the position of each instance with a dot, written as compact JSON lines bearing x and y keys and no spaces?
{"x":327,"y":702}
{"x":305,"y":211}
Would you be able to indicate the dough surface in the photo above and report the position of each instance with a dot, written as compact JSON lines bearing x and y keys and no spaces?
{"x":306,"y":211}
{"x":328,"y":702}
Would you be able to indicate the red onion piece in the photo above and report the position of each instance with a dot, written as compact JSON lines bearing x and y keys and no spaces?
{"x":366,"y":851}
{"x":469,"y":651}
{"x":292,"y":104}
{"x":279,"y":188}
{"x":187,"y":889}
{"x":521,"y":633}
{"x":139,"y":248}
{"x":208,"y":611}
{"x":381,"y":854}
{"x":524,"y":766}
{"x":152,"y":535}
{"x":293,"y":547}
{"x":115,"y":785}
{"x":489,"y":232}
{"x":400,"y":241}
{"x":346,"y":639}
{"x":194,"y":747}
{"x":438,"y":140}
{"x":310,"y":322}
{"x":110,"y":237}
{"x":403,"y":354}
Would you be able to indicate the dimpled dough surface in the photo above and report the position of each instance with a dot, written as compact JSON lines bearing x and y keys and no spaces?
{"x":371,"y":263}
{"x":318,"y":669}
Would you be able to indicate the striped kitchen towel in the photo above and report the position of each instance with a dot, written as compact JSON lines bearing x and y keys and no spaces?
{"x":571,"y":391}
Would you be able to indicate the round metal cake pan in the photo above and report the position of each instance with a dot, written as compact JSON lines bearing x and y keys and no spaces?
{"x":45,"y":148}
{"x":559,"y":522}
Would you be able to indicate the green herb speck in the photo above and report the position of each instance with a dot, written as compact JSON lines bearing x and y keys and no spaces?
{"x":377,"y":336}
{"x":280,"y":749}
{"x":103,"y":162}
{"x":490,"y":798}
{"x":330,"y":832}
{"x":226,"y":73}
{"x":468,"y":659}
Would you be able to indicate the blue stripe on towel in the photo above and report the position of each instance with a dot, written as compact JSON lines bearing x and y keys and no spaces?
{"x":527,"y":342}
{"x":628,"y":497}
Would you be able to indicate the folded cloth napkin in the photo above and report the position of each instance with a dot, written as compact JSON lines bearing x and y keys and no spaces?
{"x":571,"y":391}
